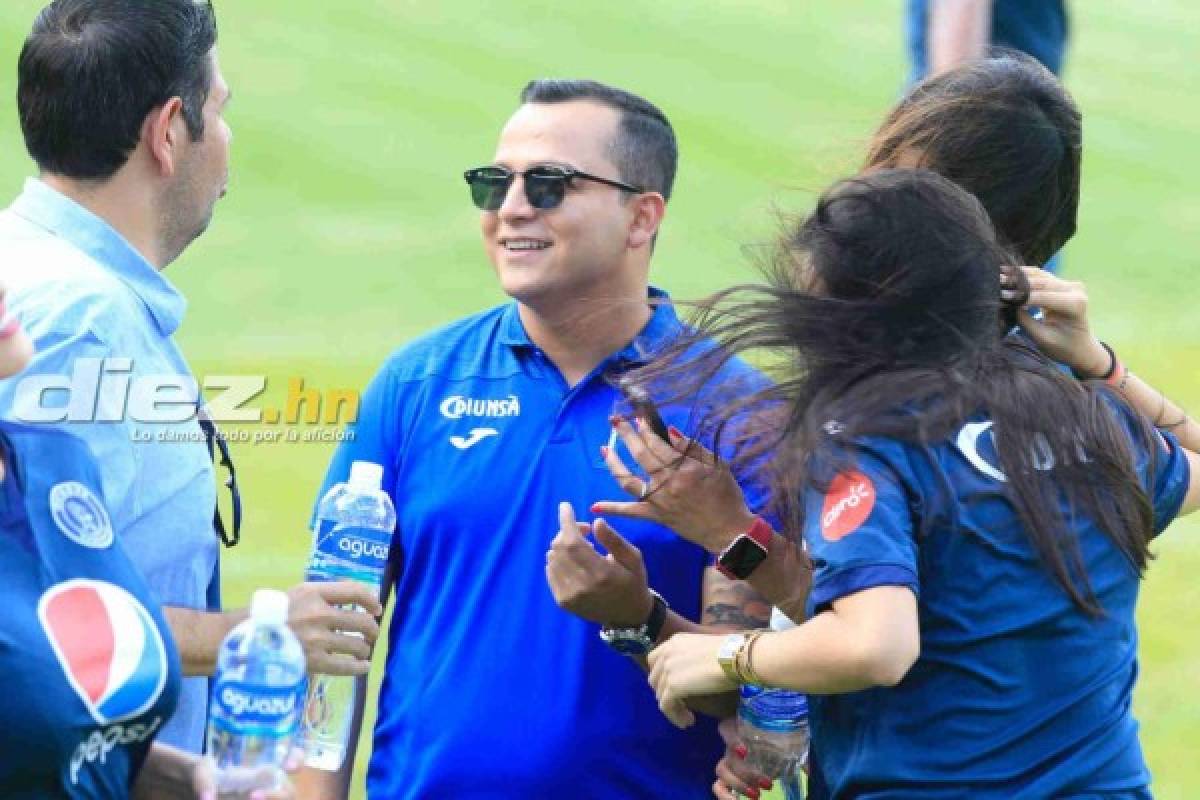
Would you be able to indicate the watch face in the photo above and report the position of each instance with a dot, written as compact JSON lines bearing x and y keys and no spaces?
{"x":627,"y":642}
{"x":631,"y":647}
{"x":729,"y":647}
{"x":743,"y":556}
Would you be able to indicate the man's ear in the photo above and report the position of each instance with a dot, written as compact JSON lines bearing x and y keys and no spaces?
{"x":162,"y":133}
{"x":648,"y":209}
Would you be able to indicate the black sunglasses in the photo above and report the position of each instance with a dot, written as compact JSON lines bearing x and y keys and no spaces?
{"x":217,"y":446}
{"x":544,"y":186}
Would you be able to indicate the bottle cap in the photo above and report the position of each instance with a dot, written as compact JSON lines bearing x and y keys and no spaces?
{"x":366,"y":476}
{"x":269,"y":606}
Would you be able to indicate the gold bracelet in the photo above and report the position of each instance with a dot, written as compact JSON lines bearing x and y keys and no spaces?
{"x":741,"y":661}
{"x":750,"y":673}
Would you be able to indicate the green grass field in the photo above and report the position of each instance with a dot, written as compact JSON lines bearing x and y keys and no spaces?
{"x":347,"y":229}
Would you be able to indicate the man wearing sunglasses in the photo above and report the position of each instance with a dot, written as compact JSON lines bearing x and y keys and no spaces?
{"x":483,"y":427}
{"x":121,"y":104}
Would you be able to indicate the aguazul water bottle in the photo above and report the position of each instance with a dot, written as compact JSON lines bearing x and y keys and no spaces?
{"x":351,"y":538}
{"x":258,"y":689}
{"x":773,"y":725}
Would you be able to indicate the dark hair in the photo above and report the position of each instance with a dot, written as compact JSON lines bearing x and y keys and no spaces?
{"x":1004,"y":129}
{"x":644,"y":151}
{"x":91,"y":70}
{"x":885,"y":305}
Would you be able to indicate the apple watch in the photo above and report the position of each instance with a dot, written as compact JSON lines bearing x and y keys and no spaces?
{"x":640,"y":640}
{"x":746,"y":552}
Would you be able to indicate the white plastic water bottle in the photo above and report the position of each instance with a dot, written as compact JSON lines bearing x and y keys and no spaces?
{"x":773,"y":726}
{"x":258,"y":689}
{"x":351,"y":538}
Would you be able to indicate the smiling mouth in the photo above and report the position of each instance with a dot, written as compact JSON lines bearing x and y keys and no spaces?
{"x":524,"y":245}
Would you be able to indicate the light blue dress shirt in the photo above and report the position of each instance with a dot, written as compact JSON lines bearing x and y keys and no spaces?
{"x":102,"y":318}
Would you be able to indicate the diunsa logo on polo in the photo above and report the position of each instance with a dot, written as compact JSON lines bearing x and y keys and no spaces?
{"x":848,"y":503}
{"x":456,"y":407}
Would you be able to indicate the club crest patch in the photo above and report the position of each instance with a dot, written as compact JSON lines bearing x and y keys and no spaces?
{"x":80,"y":515}
{"x":848,"y":503}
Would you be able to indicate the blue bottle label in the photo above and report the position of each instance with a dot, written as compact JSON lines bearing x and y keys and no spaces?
{"x":251,"y":709}
{"x":361,"y":549}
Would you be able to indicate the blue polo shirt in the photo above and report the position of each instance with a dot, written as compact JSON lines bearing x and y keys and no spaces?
{"x":102,"y":319}
{"x":1036,"y":27}
{"x":490,"y":689}
{"x":1016,"y":693}
{"x":90,"y":672}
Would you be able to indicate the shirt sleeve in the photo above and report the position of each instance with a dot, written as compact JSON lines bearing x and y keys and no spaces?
{"x":1167,"y":477}
{"x":1162,"y":465}
{"x":859,"y":533}
{"x":374,"y":436}
{"x":39,"y":396}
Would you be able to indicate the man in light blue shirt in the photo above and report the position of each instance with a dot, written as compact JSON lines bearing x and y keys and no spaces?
{"x":121,"y":106}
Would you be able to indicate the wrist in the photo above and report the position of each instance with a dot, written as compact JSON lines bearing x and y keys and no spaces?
{"x":729,"y":530}
{"x":638,"y":638}
{"x":636,"y":614}
{"x":1099,"y":364}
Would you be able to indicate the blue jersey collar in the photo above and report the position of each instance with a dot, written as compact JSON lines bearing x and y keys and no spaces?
{"x":663,"y":326}
{"x":74,"y":224}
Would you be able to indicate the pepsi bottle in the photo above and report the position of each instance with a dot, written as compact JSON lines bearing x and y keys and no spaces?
{"x":258,"y":689}
{"x":352,"y":535}
{"x":773,"y":726}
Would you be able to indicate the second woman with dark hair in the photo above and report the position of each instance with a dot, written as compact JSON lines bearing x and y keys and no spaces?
{"x":978,"y":521}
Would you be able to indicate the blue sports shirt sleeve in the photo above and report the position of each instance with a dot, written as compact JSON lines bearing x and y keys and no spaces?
{"x":374,"y":436}
{"x":1161,"y":463}
{"x":859,"y":533}
{"x":1169,"y":484}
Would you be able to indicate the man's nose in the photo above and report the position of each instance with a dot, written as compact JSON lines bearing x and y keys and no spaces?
{"x":516,"y":205}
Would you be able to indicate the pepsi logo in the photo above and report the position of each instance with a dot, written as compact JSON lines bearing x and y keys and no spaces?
{"x":848,"y":503}
{"x":108,"y":646}
{"x":80,"y":515}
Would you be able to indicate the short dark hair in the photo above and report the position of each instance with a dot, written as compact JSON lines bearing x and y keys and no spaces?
{"x":644,"y":151}
{"x":1004,"y":129}
{"x":91,"y":70}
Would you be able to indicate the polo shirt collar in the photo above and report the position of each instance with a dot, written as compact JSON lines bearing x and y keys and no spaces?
{"x":662,"y":326}
{"x":74,"y":224}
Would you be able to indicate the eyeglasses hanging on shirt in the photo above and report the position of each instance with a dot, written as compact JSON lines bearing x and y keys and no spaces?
{"x":231,"y":501}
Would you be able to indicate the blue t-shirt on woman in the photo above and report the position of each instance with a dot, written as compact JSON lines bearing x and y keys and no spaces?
{"x":1016,"y":693}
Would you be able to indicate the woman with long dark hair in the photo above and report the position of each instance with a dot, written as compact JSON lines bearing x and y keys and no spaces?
{"x":1005,"y":129}
{"x":978,"y":521}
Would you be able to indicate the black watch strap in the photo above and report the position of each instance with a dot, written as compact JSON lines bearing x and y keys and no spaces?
{"x":658,"y":616}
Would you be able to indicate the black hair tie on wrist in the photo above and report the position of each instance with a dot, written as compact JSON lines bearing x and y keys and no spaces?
{"x":1112,"y":367}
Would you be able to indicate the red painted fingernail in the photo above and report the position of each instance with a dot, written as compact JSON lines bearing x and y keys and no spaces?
{"x":595,"y":508}
{"x":675,"y":432}
{"x":751,"y":792}
{"x":766,"y":783}
{"x":741,"y":751}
